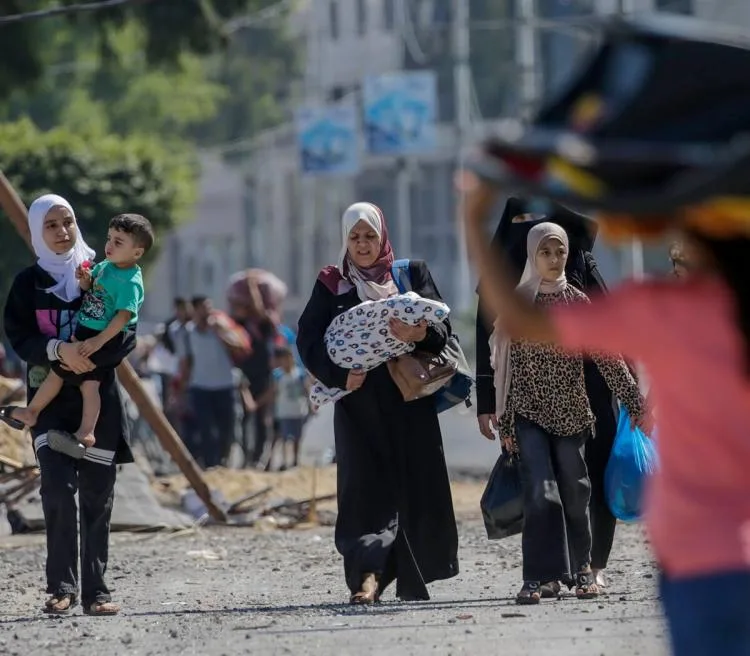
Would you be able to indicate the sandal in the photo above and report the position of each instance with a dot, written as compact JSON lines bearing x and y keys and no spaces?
{"x":60,"y":604}
{"x":368,"y":593}
{"x":530,"y":594}
{"x":6,"y":415}
{"x":586,"y":587}
{"x":550,"y":589}
{"x":102,"y":609}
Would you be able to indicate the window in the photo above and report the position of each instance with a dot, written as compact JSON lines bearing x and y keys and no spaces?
{"x":389,"y":14}
{"x":361,"y":17}
{"x":333,"y":19}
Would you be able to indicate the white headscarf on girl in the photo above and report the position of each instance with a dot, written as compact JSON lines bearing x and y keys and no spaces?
{"x":61,"y":267}
{"x":375,"y":282}
{"x":531,"y":284}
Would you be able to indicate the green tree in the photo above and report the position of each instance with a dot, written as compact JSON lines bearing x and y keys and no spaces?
{"x":171,"y":28}
{"x":101,"y":178}
{"x":209,"y":99}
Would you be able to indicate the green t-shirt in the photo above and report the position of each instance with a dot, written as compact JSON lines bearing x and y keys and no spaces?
{"x":114,"y":289}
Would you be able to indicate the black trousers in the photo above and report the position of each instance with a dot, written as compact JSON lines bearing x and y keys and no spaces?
{"x":556,"y":539}
{"x":598,"y":449}
{"x":214,"y":417}
{"x":603,"y":522}
{"x":61,"y":477}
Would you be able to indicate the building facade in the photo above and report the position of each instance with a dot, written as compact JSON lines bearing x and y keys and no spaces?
{"x":271,"y":216}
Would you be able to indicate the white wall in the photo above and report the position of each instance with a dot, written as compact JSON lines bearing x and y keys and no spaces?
{"x":199,"y":256}
{"x":344,"y":60}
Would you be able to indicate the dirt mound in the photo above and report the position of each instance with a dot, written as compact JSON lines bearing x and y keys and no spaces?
{"x":297,"y":484}
{"x":14,"y":444}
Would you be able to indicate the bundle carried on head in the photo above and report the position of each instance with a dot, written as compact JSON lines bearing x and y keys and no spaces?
{"x":653,"y":131}
{"x":273,"y":290}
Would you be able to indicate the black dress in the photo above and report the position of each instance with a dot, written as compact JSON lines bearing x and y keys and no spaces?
{"x":32,"y":318}
{"x":394,"y":498}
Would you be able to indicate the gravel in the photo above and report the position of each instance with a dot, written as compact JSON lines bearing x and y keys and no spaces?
{"x":233,"y":591}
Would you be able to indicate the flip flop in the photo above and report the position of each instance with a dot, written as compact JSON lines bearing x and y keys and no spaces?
{"x":63,"y":442}
{"x":50,"y":609}
{"x":101,"y":609}
{"x":6,"y":413}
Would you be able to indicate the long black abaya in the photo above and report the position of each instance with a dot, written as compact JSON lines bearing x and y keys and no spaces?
{"x":395,"y":511}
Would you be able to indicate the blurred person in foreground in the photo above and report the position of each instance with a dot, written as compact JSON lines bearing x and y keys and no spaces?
{"x":694,"y":340}
{"x":396,"y":519}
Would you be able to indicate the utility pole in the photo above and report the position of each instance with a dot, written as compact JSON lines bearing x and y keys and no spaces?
{"x":462,"y":106}
{"x":526,"y":51}
{"x":403,"y":204}
{"x":633,"y":252}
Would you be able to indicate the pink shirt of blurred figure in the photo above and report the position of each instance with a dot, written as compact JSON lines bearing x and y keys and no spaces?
{"x":698,"y":505}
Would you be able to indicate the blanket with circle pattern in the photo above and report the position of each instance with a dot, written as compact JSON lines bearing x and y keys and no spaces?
{"x":361,"y":339}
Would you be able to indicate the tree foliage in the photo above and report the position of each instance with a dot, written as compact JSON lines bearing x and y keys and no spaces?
{"x":100,"y":178}
{"x":171,"y":27}
{"x":229,"y":94}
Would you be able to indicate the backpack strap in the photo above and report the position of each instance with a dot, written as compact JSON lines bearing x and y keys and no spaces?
{"x":401,"y":275}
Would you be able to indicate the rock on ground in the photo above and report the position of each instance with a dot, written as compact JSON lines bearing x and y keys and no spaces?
{"x":240,"y":591}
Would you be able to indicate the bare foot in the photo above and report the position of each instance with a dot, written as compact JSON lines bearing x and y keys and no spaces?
{"x":87,"y":440}
{"x":599,"y":578}
{"x":26,"y":415}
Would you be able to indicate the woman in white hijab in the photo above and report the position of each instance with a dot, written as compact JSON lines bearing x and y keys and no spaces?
{"x":545,"y":416}
{"x":395,"y":517}
{"x":39,"y":319}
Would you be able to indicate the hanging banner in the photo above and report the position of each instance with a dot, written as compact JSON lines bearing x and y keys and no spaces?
{"x":400,"y":112}
{"x":327,"y":139}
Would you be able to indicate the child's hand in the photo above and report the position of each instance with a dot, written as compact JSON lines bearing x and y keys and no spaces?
{"x":90,"y":346}
{"x":83,"y":275}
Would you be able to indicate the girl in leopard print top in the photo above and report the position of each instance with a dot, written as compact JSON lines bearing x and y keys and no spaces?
{"x":546,"y":418}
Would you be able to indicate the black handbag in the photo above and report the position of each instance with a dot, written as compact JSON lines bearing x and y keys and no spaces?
{"x":502,"y":501}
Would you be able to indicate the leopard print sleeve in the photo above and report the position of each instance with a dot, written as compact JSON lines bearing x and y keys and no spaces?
{"x":506,"y":423}
{"x":621,"y":382}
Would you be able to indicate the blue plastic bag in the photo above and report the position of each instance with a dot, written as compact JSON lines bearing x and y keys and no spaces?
{"x":632,"y":461}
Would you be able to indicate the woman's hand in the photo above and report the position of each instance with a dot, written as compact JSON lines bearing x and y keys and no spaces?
{"x":407,"y":333}
{"x":355,"y":380}
{"x":509,"y":445}
{"x":73,"y":360}
{"x":488,"y":425}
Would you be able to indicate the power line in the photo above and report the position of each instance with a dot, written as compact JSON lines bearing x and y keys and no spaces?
{"x":252,"y":20}
{"x":69,"y":9}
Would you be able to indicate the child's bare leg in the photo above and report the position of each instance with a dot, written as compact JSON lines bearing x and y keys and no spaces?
{"x":92,"y":405}
{"x":46,"y":393}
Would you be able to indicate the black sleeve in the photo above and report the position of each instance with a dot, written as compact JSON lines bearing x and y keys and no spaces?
{"x":106,"y":358}
{"x":313,"y":323}
{"x":485,"y":385}
{"x":20,"y":322}
{"x":423,"y":284}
